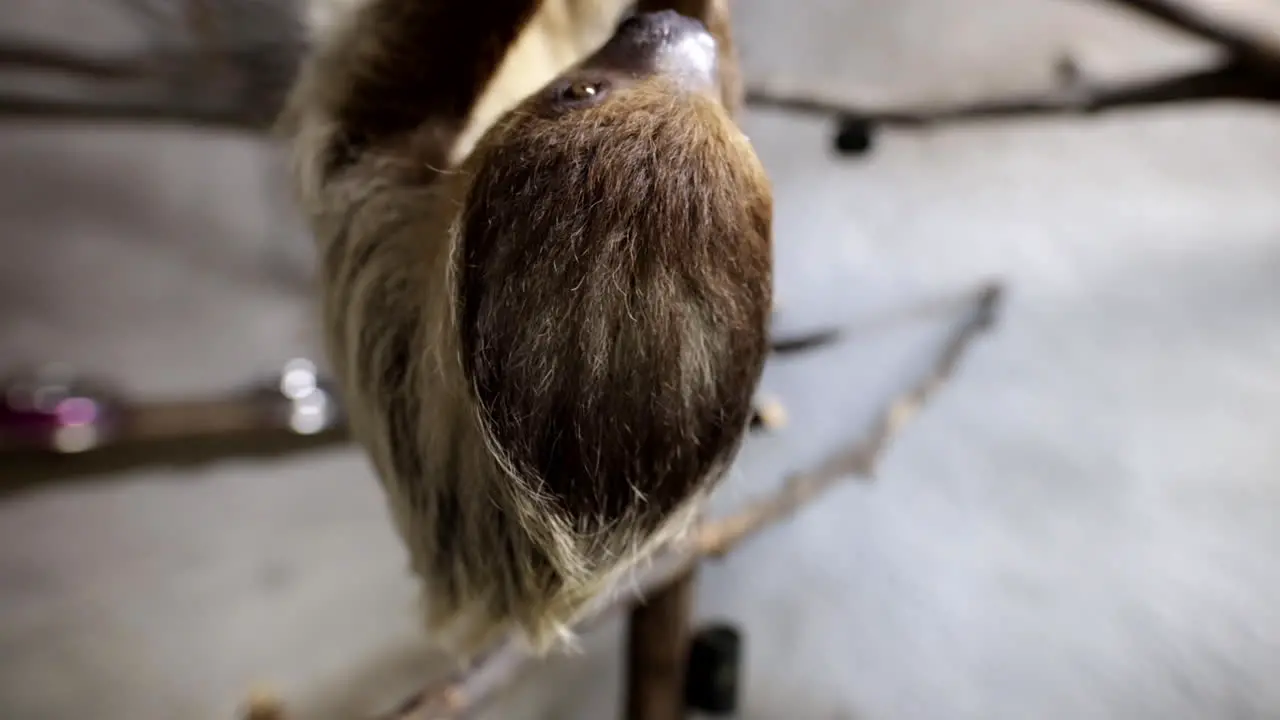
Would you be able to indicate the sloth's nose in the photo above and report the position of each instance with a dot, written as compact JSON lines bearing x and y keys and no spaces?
{"x":666,"y":43}
{"x":666,"y":25}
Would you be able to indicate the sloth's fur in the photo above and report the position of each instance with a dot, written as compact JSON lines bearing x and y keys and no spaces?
{"x":549,"y":349}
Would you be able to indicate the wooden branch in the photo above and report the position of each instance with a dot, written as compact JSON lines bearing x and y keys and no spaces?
{"x":467,"y":692}
{"x":802,"y":343}
{"x":719,"y":537}
{"x":1248,"y":29}
{"x":1232,"y":80}
{"x":224,"y":64}
{"x":219,"y":75}
{"x":150,"y":108}
{"x":253,"y":111}
{"x":18,"y":54}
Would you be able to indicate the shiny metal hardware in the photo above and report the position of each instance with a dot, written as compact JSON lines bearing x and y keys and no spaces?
{"x":53,"y":409}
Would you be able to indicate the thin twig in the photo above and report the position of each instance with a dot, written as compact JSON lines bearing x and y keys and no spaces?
{"x":464,"y":694}
{"x":862,"y":458}
{"x":802,"y":343}
{"x":1231,"y":81}
{"x":1251,"y":72}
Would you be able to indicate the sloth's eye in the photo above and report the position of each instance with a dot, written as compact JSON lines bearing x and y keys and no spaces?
{"x":582,"y":90}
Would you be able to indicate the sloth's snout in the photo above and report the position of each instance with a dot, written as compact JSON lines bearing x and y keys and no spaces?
{"x":659,"y":25}
{"x":665,"y":43}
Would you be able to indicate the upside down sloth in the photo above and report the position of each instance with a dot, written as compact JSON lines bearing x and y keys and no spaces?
{"x":548,"y":321}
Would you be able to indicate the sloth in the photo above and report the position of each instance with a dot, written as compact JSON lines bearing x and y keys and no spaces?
{"x":547,"y":313}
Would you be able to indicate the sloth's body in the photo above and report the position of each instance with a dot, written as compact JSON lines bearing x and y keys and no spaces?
{"x":548,"y":342}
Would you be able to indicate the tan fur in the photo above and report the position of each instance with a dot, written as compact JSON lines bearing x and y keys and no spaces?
{"x":548,"y":348}
{"x":562,"y":33}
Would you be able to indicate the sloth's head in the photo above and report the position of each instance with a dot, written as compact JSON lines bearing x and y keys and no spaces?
{"x":613,"y":279}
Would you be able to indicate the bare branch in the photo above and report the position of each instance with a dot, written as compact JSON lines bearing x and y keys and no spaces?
{"x":18,"y":54}
{"x":796,"y":344}
{"x":216,"y":63}
{"x":239,"y":88}
{"x":1233,"y":80}
{"x":233,"y":62}
{"x":862,"y":458}
{"x":162,"y":110}
{"x":1248,"y":29}
{"x":464,"y":694}
{"x":238,"y":106}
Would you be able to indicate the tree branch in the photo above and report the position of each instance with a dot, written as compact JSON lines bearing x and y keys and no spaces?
{"x":18,"y":54}
{"x":1251,"y":72}
{"x":251,"y":107}
{"x":213,"y":63}
{"x":227,"y":76}
{"x":1232,"y":80}
{"x":141,"y":108}
{"x":466,"y":693}
{"x":1248,"y":29}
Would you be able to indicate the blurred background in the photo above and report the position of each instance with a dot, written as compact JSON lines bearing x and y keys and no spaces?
{"x":1083,"y":524}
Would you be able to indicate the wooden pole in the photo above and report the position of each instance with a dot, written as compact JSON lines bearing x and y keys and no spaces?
{"x":657,"y":652}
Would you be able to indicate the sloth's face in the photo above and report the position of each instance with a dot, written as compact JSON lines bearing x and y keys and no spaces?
{"x":657,"y":46}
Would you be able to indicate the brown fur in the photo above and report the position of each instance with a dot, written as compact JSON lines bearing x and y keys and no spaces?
{"x":548,"y":350}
